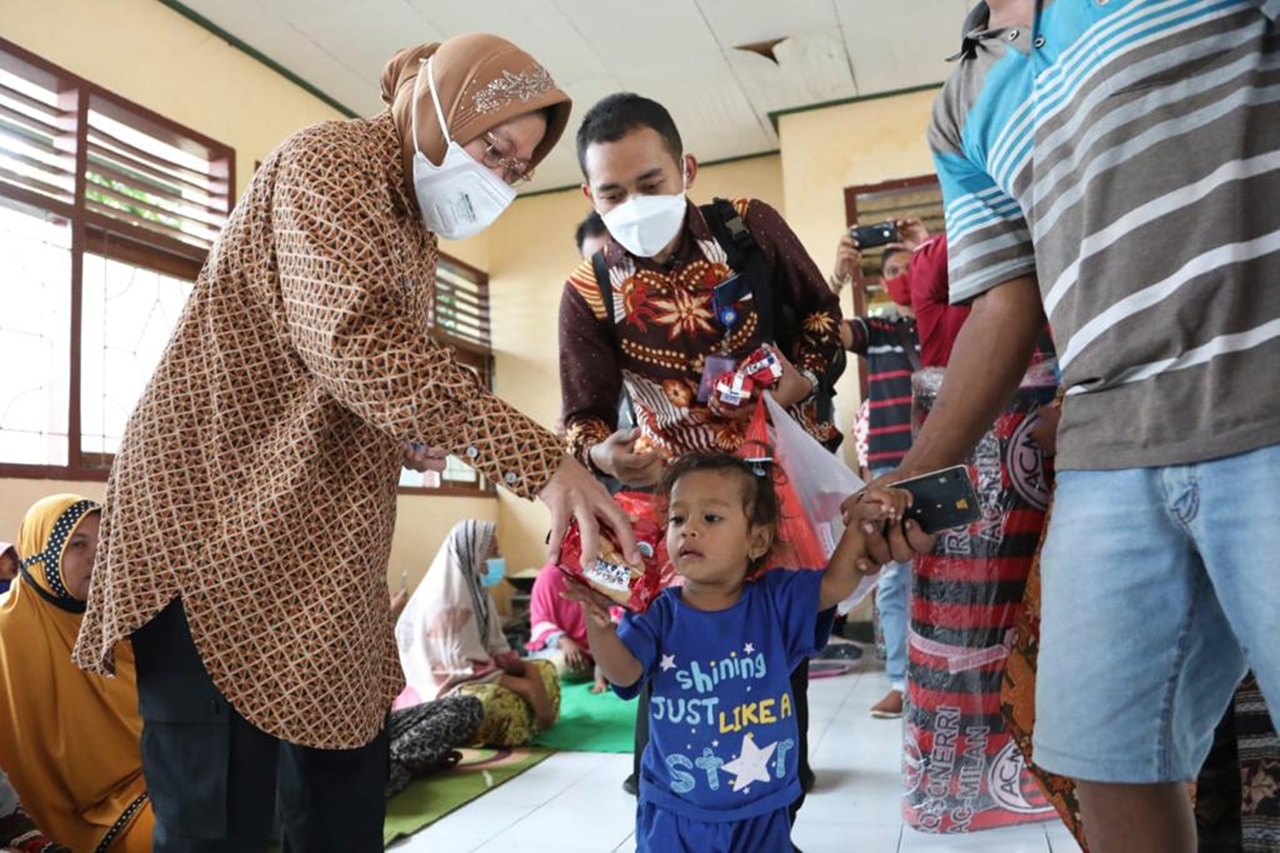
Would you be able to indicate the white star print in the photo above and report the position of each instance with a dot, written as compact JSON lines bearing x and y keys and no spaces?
{"x":751,"y":765}
{"x":749,"y":648}
{"x":668,"y":662}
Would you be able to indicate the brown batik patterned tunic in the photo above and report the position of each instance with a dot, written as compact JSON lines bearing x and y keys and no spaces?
{"x":664,"y":327}
{"x":257,"y":478}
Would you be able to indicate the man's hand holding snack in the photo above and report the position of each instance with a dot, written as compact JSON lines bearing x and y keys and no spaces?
{"x":793,"y":387}
{"x":767,"y":368}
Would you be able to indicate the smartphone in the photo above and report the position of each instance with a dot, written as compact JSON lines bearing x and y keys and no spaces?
{"x":943,"y":499}
{"x":870,"y":236}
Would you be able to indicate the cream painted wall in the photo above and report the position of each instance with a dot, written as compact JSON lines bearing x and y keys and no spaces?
{"x":826,"y":150}
{"x":531,"y":252}
{"x":474,"y":251}
{"x":16,"y":496}
{"x":143,"y":51}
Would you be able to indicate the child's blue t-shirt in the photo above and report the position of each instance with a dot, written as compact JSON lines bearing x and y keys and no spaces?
{"x":722,"y":730}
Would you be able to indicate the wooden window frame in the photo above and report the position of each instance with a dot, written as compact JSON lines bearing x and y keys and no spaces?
{"x":92,"y":232}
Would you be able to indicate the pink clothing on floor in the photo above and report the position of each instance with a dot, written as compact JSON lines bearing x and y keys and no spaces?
{"x":551,"y":614}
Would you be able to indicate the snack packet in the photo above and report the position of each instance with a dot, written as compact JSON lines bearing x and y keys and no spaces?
{"x":734,"y":389}
{"x":633,"y":587}
{"x":762,"y":367}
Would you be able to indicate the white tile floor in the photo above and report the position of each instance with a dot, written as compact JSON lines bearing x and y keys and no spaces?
{"x":574,"y":801}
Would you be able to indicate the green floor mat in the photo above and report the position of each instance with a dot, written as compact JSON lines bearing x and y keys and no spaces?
{"x":427,"y":800}
{"x":599,"y":722}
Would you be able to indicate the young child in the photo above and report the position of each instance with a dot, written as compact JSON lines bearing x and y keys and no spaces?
{"x":720,"y":767}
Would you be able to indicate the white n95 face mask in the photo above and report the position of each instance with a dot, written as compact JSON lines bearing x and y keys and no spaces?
{"x":645,"y":224}
{"x":460,"y":197}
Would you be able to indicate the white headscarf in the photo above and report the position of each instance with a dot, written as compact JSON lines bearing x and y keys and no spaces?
{"x":450,"y":633}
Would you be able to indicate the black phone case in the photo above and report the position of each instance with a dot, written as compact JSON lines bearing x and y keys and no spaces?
{"x":871,"y":236}
{"x":943,"y":499}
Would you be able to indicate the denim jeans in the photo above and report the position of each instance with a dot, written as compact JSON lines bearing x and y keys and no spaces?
{"x":1159,"y":585}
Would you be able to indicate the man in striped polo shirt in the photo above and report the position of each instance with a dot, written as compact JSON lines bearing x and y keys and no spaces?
{"x":1116,"y":166}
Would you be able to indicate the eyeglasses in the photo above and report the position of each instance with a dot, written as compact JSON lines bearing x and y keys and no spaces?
{"x":497,"y":155}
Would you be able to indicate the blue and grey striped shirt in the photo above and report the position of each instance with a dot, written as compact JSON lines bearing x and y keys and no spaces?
{"x":1127,"y":152}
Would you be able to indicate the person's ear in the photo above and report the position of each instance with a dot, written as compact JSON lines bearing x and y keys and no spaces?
{"x":760,"y":540}
{"x":586,"y":193}
{"x":690,"y":170}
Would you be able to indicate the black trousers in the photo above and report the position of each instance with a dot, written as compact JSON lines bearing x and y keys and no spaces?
{"x":214,"y":779}
{"x":799,"y":691}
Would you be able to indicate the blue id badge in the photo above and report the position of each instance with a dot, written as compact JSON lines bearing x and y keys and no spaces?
{"x":725,"y":298}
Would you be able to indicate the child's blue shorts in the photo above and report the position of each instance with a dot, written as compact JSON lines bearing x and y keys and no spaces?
{"x":662,"y":831}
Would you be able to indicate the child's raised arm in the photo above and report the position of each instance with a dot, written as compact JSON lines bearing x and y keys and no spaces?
{"x":851,"y":560}
{"x":612,"y":657}
{"x":847,"y":565}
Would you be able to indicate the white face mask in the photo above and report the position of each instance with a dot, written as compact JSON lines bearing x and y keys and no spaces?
{"x":460,"y":197}
{"x":645,"y":224}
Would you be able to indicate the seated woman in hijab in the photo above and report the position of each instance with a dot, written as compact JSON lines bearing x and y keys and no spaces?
{"x":451,"y":642}
{"x":69,"y":741}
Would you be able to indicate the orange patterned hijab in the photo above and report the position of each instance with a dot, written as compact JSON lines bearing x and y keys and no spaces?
{"x":483,"y":81}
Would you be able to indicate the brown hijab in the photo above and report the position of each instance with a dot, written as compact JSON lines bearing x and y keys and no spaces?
{"x":483,"y":81}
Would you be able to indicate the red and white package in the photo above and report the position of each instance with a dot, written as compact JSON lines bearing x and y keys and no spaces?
{"x":734,"y":389}
{"x":762,"y":367}
{"x":633,"y":587}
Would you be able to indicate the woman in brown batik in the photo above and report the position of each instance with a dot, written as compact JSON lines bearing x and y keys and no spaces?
{"x":250,"y":510}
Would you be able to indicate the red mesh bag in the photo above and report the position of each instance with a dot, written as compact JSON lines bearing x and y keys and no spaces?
{"x":633,"y":587}
{"x":795,"y":545}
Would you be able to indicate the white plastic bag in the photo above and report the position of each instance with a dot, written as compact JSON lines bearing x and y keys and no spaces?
{"x":821,"y":481}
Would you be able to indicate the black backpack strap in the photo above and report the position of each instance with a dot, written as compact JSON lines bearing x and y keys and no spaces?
{"x":746,"y":259}
{"x":601,"y":269}
{"x":778,"y":321}
{"x":625,"y":405}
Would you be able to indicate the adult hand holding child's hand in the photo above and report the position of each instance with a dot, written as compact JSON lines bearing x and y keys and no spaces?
{"x":880,"y":511}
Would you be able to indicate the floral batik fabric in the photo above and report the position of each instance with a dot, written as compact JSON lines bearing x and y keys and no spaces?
{"x":665,"y":326}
